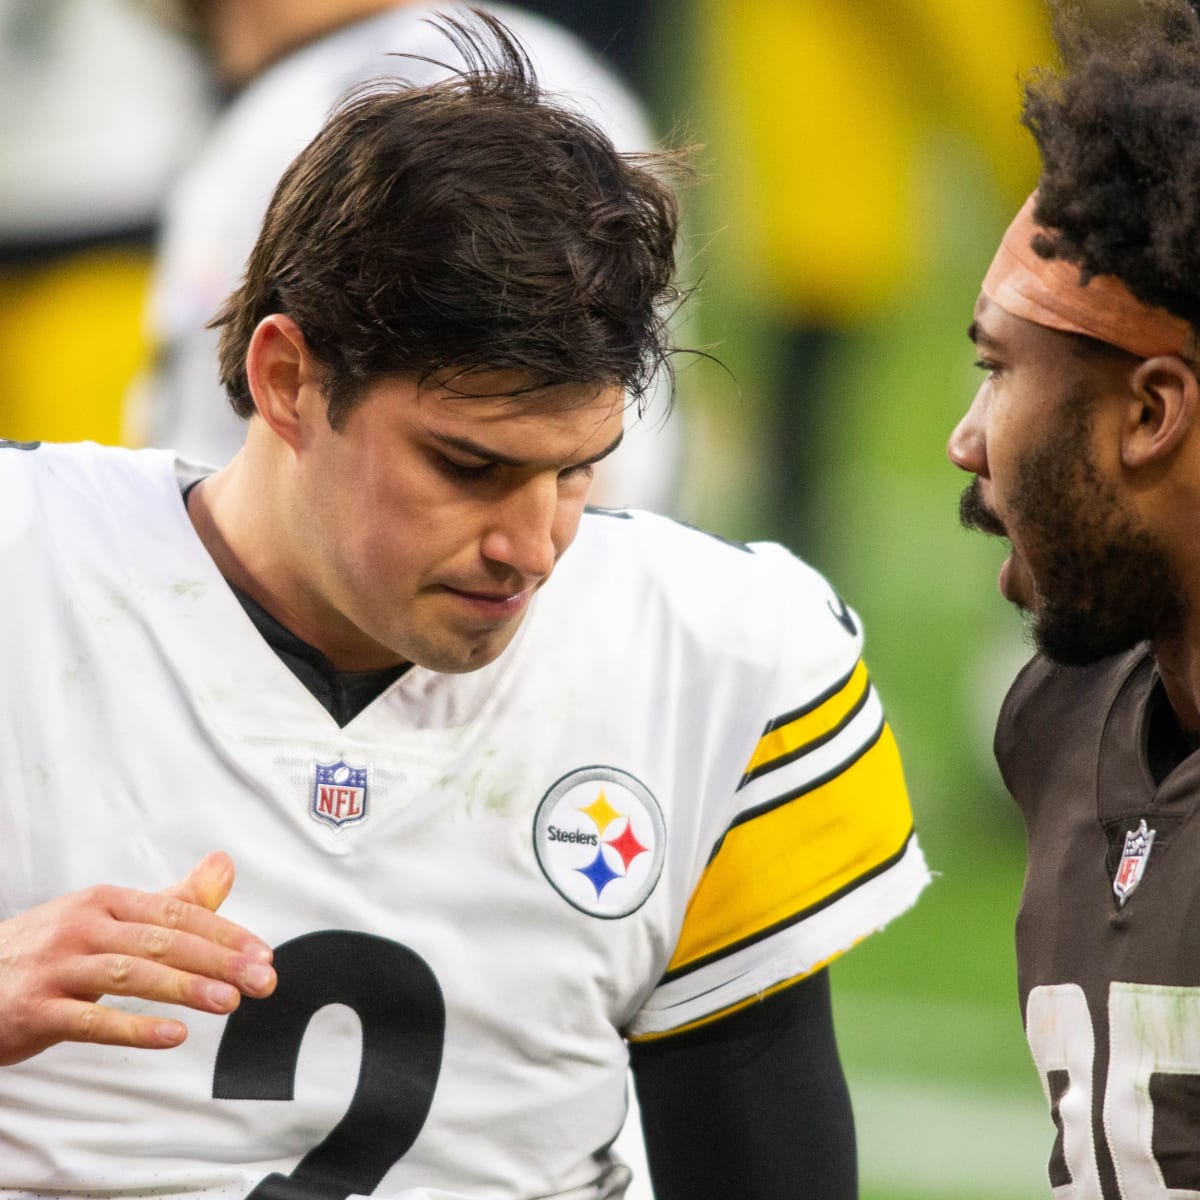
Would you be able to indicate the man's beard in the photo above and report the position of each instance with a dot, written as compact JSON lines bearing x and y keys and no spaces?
{"x":1103,"y":581}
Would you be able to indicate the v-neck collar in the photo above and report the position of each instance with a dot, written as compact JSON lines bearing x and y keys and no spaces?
{"x":1126,"y":779}
{"x":343,"y":694}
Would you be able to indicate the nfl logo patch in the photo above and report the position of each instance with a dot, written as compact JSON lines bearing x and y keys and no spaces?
{"x":1133,"y":860}
{"x":339,"y":794}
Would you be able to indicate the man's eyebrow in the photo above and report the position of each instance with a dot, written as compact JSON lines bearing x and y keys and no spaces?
{"x":469,"y":446}
{"x":606,"y":451}
{"x":980,"y":336}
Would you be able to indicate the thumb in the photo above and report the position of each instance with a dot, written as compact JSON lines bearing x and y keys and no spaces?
{"x":208,"y":882}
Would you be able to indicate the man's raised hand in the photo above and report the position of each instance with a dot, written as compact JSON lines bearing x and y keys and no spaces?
{"x":58,"y":959}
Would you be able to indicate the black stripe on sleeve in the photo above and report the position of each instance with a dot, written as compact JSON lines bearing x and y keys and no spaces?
{"x":795,"y":918}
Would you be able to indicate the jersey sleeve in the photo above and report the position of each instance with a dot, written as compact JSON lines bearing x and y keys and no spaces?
{"x":820,"y":849}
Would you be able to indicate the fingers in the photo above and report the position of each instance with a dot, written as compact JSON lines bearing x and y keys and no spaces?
{"x":168,"y":947}
{"x":169,"y":966}
{"x":172,"y":947}
{"x":70,"y":1020}
{"x":171,"y":913}
{"x":208,"y":882}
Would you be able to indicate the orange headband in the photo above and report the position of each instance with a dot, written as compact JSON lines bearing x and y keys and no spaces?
{"x":1047,"y":291}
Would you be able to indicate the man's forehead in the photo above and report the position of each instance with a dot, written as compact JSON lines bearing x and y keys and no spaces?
{"x":982,"y":330}
{"x":556,"y":404}
{"x":994,"y":327}
{"x":587,"y":422}
{"x":516,"y":387}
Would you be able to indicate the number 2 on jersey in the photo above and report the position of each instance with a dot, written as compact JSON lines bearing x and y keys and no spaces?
{"x":403,"y":1016}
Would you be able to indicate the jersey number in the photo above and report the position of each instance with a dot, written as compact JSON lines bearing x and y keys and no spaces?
{"x":403,"y":1016}
{"x":1154,"y":1049}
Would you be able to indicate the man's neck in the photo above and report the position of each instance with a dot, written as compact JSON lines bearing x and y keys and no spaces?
{"x":1179,"y":667}
{"x":235,"y":514}
{"x":199,"y":501}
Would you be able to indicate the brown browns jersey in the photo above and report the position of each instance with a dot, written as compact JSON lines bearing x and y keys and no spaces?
{"x":1108,"y":930}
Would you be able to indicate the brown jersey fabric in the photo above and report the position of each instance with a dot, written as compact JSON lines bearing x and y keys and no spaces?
{"x":1109,"y":977}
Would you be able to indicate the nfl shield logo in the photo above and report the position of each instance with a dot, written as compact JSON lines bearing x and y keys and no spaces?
{"x":339,"y":795}
{"x":1133,"y":860}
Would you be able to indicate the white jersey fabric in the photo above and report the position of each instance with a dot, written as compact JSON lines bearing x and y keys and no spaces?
{"x":674,"y":792}
{"x":213,"y":215}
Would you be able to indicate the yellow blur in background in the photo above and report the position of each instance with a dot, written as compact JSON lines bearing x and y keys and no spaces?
{"x":71,"y":342}
{"x":819,"y":114}
{"x":101,"y":104}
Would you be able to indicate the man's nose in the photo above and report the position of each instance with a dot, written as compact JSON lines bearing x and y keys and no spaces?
{"x":967,"y":445}
{"x":520,"y":533}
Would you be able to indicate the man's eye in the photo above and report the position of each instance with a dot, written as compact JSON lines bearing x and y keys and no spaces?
{"x":583,"y":471}
{"x":986,"y":364}
{"x":466,"y":470}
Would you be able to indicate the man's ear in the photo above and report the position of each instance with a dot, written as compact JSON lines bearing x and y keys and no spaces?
{"x":1161,"y":410}
{"x":281,"y":375}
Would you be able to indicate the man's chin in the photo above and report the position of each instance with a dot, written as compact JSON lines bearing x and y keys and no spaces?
{"x":1078,"y":640}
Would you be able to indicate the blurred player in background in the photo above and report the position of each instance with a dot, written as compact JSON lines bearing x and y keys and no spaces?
{"x":99,"y":107}
{"x":286,"y":63}
{"x":498,"y":834}
{"x":1084,"y":440}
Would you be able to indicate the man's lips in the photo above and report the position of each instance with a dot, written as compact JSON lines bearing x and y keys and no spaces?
{"x":493,"y":602}
{"x":974,"y":513}
{"x":493,"y":597}
{"x":1005,"y":579}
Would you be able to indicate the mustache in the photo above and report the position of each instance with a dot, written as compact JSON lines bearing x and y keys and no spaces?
{"x":973,"y":513}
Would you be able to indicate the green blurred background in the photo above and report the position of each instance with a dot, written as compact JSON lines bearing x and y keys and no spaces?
{"x":859,"y":160}
{"x":863,"y":158}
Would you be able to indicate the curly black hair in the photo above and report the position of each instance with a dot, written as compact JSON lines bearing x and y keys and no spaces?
{"x":1118,"y":128}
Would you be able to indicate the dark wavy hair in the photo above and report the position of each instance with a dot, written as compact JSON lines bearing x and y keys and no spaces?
{"x":1118,"y":128}
{"x":475,"y":224}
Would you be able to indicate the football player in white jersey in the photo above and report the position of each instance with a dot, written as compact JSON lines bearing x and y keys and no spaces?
{"x":505,"y":819}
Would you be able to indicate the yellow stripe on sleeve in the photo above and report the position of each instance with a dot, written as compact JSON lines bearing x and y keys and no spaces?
{"x":790,"y":858}
{"x":788,"y":739}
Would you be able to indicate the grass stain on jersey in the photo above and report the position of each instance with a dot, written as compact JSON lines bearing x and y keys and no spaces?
{"x":476,"y":793}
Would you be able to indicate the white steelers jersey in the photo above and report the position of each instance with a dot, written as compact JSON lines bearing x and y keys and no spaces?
{"x":674,"y":792}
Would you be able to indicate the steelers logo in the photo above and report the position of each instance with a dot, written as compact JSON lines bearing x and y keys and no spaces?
{"x":600,"y":840}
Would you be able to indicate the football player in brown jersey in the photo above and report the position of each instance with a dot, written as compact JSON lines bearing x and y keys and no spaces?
{"x":1084,"y":444}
